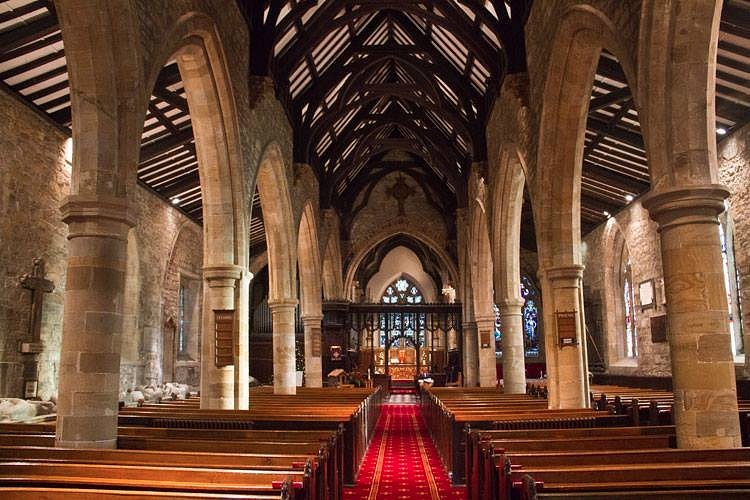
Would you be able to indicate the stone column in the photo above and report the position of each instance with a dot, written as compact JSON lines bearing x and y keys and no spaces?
{"x":217,"y":383}
{"x":703,"y":379}
{"x":486,"y":346}
{"x":284,"y":377}
{"x":471,"y":354}
{"x":514,"y":362}
{"x":566,"y":366}
{"x":242,"y":351}
{"x":313,"y":359}
{"x":92,"y":322}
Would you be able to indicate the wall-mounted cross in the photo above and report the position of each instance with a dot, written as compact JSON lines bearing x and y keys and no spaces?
{"x":39,"y":285}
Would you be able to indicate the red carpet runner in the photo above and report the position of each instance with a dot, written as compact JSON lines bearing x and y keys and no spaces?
{"x":402,"y":462}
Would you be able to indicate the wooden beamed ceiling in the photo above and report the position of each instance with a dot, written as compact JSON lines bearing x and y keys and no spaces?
{"x":362,"y":79}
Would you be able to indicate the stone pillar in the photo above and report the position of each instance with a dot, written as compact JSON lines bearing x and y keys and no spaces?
{"x":284,"y":377}
{"x":514,"y":362}
{"x":217,"y":383}
{"x":471,"y":354}
{"x":486,"y":346}
{"x":313,"y":359}
{"x":566,"y":366}
{"x":242,"y":350}
{"x":703,"y":378}
{"x":92,"y":322}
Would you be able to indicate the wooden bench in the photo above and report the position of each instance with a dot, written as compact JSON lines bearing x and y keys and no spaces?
{"x":192,"y":480}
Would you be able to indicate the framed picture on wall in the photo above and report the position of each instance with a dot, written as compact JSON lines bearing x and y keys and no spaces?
{"x":646,"y":294}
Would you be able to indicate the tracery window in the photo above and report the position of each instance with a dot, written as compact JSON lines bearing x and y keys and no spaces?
{"x":631,"y":337}
{"x":402,"y":291}
{"x":405,"y":328}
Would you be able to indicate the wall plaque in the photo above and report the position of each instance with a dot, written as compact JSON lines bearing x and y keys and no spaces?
{"x":659,"y":328}
{"x":224,"y":335}
{"x":485,"y":336}
{"x":316,"y":342}
{"x":566,"y":328}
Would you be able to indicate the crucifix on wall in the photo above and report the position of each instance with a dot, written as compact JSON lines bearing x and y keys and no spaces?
{"x":400,"y":191}
{"x":39,"y":286}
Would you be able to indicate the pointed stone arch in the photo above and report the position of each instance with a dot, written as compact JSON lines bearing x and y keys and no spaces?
{"x":311,"y":303}
{"x":193,"y":41}
{"x":581,"y":33}
{"x":278,"y":216}
{"x":481,"y":275}
{"x":507,"y":202}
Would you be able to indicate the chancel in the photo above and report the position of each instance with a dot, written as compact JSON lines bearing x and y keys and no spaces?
{"x":336,"y":249}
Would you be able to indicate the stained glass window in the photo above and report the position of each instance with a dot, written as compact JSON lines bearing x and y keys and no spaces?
{"x":402,"y":327}
{"x":402,"y":291}
{"x":732,"y":285}
{"x":631,"y":338}
{"x":498,"y":331}
{"x":529,"y":318}
{"x":530,"y":315}
{"x":181,"y":323}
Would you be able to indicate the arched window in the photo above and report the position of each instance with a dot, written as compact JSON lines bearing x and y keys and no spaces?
{"x":731,"y":283}
{"x":631,"y":338}
{"x":402,"y":291}
{"x":498,"y":332}
{"x":529,"y":318}
{"x":530,"y":314}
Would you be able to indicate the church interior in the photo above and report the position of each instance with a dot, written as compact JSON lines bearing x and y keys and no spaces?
{"x":360,"y":249}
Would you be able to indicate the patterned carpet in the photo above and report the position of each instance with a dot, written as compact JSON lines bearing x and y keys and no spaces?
{"x":402,"y":462}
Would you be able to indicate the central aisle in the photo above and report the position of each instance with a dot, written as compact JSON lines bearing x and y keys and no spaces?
{"x":402,"y":462}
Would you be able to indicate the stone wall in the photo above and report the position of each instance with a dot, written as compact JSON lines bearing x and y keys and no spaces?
{"x":34,"y":180}
{"x":734,"y":160}
{"x":603,"y":291}
{"x":380,"y":217}
{"x":642,"y":240}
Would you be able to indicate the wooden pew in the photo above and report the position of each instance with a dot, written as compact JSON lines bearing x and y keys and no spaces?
{"x":195,"y":480}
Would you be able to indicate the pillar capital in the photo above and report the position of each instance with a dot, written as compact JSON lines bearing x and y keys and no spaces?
{"x":686,"y":205}
{"x":281,"y":305}
{"x":103,"y":216}
{"x":570,"y":272}
{"x":222,"y":276}
{"x":510,"y":303}
{"x":312,"y":319}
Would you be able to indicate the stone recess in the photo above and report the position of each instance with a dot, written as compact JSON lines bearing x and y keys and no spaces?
{"x":34,"y":180}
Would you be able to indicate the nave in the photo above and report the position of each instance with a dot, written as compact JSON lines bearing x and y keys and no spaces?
{"x":402,"y":461}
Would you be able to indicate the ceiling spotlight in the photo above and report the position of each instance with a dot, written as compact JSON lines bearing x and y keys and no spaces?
{"x":721,"y":131}
{"x":629,"y":198}
{"x":175,"y":201}
{"x":607,"y":214}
